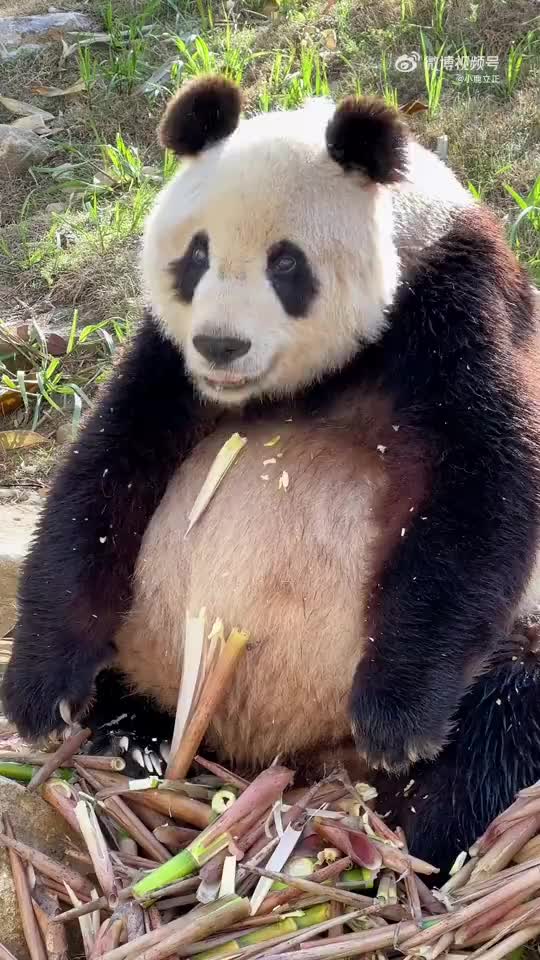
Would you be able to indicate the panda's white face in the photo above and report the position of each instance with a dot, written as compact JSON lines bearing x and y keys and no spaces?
{"x":266,"y":263}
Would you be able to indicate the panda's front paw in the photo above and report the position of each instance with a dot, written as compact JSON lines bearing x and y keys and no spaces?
{"x":393,"y":731}
{"x":39,"y":697}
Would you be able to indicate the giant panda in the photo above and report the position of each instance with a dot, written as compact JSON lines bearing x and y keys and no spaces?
{"x":319,"y":283}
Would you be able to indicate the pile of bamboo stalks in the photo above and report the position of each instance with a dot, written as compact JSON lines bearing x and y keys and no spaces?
{"x":216,"y":866}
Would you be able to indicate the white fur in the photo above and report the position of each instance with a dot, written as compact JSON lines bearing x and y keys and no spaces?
{"x":273,"y":180}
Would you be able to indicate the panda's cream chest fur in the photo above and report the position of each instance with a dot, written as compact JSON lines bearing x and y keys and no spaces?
{"x":281,"y":560}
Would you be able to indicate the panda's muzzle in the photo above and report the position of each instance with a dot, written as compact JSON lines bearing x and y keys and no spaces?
{"x":221,"y":351}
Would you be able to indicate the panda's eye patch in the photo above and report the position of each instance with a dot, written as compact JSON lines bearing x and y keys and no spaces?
{"x":292,"y":278}
{"x":188,"y":269}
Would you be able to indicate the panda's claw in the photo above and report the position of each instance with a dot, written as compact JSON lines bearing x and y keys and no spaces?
{"x":165,"y":750}
{"x":156,"y":763}
{"x":137,"y":756}
{"x":65,"y":712}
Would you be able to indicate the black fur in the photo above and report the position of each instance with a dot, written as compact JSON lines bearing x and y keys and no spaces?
{"x":77,"y":580}
{"x":445,"y":597}
{"x":292,"y":277}
{"x":446,"y":804}
{"x":188,"y":269}
{"x":366,"y":135}
{"x":204,"y":112}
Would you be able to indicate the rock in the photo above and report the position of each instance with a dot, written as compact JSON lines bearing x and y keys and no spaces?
{"x":20,"y":35}
{"x":38,"y":825}
{"x":18,"y":524}
{"x":64,"y":433}
{"x":20,"y":149}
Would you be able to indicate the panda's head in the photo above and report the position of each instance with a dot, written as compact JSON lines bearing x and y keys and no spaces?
{"x":269,"y":258}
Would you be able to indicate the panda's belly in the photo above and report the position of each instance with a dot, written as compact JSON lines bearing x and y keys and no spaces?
{"x":293,"y":564}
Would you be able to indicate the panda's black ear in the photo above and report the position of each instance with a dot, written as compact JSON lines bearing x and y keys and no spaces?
{"x":366,"y":135}
{"x":204,"y":111}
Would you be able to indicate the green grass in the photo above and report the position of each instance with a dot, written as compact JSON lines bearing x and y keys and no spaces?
{"x":70,"y":228}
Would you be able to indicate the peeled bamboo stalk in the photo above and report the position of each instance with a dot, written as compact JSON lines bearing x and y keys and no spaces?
{"x":213,"y":693}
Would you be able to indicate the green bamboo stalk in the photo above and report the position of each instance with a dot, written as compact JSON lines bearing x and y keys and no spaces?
{"x":308,"y":918}
{"x":23,"y":772}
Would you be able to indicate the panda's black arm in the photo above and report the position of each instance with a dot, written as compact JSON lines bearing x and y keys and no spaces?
{"x":76,"y":582}
{"x":453,"y":362}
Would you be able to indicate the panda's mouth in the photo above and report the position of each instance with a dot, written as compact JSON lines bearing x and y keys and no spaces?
{"x":228,"y":381}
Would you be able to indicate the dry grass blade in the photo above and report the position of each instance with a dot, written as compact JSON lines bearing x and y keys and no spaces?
{"x":411,"y":887}
{"x":30,"y":926}
{"x":213,"y":693}
{"x":63,"y":755}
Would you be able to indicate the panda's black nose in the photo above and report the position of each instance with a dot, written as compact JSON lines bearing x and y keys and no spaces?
{"x":221,"y":350}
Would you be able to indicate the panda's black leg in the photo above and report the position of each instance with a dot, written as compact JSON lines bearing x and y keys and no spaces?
{"x":445,"y":804}
{"x":129,"y":725}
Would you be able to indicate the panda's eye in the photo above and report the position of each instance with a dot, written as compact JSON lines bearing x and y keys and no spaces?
{"x":292,"y":277}
{"x":283,"y":264}
{"x":188,"y":270}
{"x":199,"y":254}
